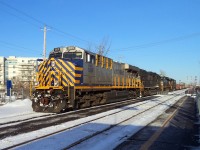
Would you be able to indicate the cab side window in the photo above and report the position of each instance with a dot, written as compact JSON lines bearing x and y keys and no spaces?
{"x":90,"y":58}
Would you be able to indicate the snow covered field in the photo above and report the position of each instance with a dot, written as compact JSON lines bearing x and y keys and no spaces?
{"x":107,"y":140}
{"x":17,"y":110}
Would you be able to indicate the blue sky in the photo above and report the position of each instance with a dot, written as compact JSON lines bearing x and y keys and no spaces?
{"x":154,"y":35}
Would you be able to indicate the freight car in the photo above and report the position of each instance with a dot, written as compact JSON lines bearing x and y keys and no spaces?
{"x":73,"y":78}
{"x":167,"y":84}
{"x":180,"y":86}
{"x":151,"y":82}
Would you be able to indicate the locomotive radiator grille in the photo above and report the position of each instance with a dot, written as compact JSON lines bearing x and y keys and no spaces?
{"x":56,"y":70}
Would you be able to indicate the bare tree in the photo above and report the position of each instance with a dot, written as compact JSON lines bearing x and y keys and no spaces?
{"x":21,"y":88}
{"x":103,"y":48}
{"x":162,"y":73}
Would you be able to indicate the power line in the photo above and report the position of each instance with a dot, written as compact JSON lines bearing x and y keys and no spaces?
{"x":21,"y":12}
{"x":65,"y":33}
{"x":43,"y":23}
{"x":80,"y":39}
{"x":15,"y":45}
{"x":21,"y":19}
{"x":180,"y":38}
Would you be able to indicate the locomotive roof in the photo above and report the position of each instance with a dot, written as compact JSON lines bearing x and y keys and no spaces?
{"x":131,"y":68}
{"x":126,"y":66}
{"x":63,"y":49}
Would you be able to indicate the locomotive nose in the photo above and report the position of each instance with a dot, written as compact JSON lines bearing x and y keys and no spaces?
{"x":45,"y":101}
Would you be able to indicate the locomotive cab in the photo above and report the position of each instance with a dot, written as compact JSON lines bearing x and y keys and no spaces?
{"x":56,"y":78}
{"x":68,"y":53}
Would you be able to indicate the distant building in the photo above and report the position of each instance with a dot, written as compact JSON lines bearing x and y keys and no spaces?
{"x":17,"y":69}
{"x":2,"y":72}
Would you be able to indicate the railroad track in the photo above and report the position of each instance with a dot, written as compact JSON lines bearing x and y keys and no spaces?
{"x":16,"y":127}
{"x":10,"y":120}
{"x":155,"y":136}
{"x":161,"y":133}
{"x":109,"y":127}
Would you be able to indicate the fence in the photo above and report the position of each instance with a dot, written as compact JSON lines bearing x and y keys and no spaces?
{"x":196,"y":138}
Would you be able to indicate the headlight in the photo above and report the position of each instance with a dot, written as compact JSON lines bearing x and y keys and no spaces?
{"x":36,"y":83}
{"x":56,"y":83}
{"x":35,"y":99}
{"x":53,"y":63}
{"x":47,"y":95}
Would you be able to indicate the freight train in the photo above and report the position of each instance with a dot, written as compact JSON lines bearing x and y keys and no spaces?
{"x":73,"y":78}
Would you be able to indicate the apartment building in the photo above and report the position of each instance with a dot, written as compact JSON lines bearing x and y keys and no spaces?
{"x":2,"y":72}
{"x":17,"y":69}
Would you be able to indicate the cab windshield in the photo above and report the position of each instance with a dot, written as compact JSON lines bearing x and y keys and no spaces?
{"x":72,"y":55}
{"x":55,"y":55}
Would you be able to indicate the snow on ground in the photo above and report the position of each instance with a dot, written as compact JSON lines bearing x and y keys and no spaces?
{"x":112,"y":138}
{"x":122,"y":132}
{"x":17,"y":110}
{"x":17,"y":107}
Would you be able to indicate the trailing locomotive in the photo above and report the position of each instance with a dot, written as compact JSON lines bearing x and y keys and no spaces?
{"x":73,"y":78}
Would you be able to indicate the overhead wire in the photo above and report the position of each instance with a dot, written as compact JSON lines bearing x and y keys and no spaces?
{"x":21,"y":48}
{"x":81,"y":39}
{"x":180,"y":38}
{"x":15,"y":45}
{"x":21,"y":12}
{"x":54,"y":29}
{"x":33,"y":24}
{"x":43,"y":23}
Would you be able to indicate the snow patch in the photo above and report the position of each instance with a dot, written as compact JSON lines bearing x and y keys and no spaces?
{"x":15,"y":108}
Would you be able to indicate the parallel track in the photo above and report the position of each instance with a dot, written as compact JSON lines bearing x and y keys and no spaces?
{"x":72,"y":146}
{"x":36,"y":123}
{"x":93,"y":135}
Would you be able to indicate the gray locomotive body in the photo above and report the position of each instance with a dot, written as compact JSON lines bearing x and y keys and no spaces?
{"x":73,"y":77}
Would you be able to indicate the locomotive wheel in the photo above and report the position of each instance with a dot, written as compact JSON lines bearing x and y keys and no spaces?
{"x":59,"y":105}
{"x":78,"y":104}
{"x":47,"y":109}
{"x":36,"y":106}
{"x":134,"y":94}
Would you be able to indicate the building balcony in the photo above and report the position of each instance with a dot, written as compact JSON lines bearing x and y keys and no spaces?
{"x":27,"y":64}
{"x":26,"y":69}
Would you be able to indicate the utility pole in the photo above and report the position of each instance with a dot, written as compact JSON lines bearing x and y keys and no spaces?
{"x":44,"y":48}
